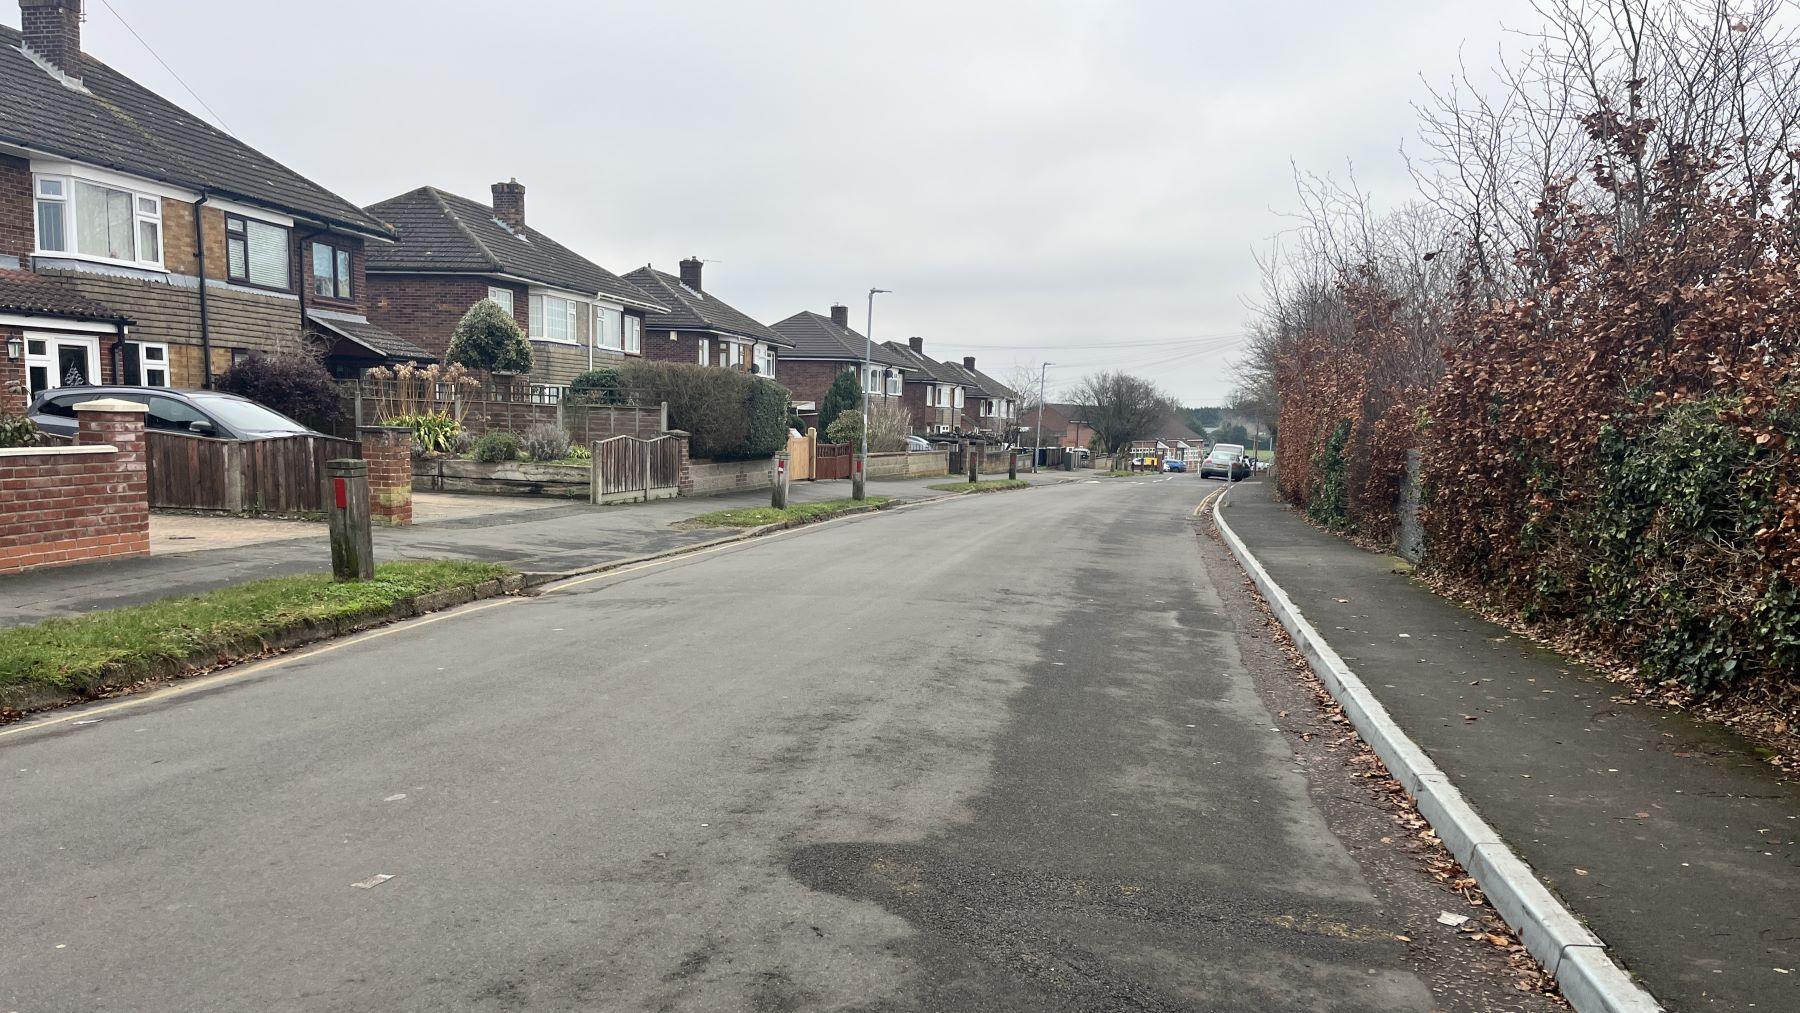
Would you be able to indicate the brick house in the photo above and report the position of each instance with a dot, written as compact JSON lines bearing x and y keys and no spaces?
{"x":1068,"y":423}
{"x":993,"y":408}
{"x":452,"y":252}
{"x":701,"y":328}
{"x":823,"y":347}
{"x":172,"y":249}
{"x":934,"y":392}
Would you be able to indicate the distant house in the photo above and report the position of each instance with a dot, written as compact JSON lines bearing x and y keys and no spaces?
{"x":140,"y":245}
{"x":934,"y":392}
{"x":823,"y":347}
{"x":697,"y":326}
{"x":995,"y":408}
{"x":1066,"y":425}
{"x":452,"y":252}
{"x":1173,"y":442}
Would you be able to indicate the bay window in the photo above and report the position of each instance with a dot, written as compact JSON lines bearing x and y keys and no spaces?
{"x":555,"y":319}
{"x":256,"y":253}
{"x":331,"y":271}
{"x":634,"y":335}
{"x":609,"y":328}
{"x":103,"y":222}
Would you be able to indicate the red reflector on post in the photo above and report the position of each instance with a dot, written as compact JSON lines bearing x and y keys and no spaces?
{"x":337,"y":493}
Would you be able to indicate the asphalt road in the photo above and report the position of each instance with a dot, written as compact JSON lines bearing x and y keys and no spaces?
{"x":1013,"y":752}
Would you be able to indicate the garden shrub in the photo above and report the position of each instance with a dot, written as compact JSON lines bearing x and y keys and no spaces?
{"x":495,"y":447}
{"x":846,"y":428}
{"x":296,"y":384}
{"x":546,"y":441}
{"x":489,"y":338}
{"x":844,"y":394}
{"x":433,"y":432}
{"x":728,"y":415}
{"x":598,"y":386}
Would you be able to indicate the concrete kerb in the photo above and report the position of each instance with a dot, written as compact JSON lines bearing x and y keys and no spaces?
{"x":1590,"y":981}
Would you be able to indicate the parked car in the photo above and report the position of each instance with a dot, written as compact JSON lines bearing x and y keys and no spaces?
{"x":1175,"y":466}
{"x":918,"y":445}
{"x":1225,"y":463}
{"x":199,"y":412}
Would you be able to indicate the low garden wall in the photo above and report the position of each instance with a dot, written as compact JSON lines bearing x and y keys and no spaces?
{"x":908,"y":465}
{"x":73,"y":504}
{"x":715,"y":478}
{"x":517,"y":478}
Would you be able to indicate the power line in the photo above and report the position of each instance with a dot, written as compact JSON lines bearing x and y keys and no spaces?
{"x":1147,"y":343}
{"x":165,"y":65}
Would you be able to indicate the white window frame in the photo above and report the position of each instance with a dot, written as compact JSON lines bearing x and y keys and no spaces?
{"x":287,"y":252}
{"x":609,"y":328}
{"x":705,"y":347}
{"x":765,"y":359}
{"x":634,"y":335}
{"x":957,"y":395}
{"x":149,"y":364}
{"x":540,"y":312}
{"x":895,"y":383}
{"x":872,"y":380}
{"x":146,"y":209}
{"x":48,"y":340}
{"x":502,"y":296}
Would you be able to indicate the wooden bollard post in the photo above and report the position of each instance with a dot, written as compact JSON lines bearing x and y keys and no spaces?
{"x":858,"y":486}
{"x":347,"y":507}
{"x":1012,"y":465}
{"x":778,"y":496}
{"x":974,"y":456}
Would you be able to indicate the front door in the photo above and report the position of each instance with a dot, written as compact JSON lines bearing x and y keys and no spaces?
{"x":61,"y":360}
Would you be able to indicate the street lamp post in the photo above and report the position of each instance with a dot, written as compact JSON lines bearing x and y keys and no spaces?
{"x":858,"y":479}
{"x":1037,"y":431}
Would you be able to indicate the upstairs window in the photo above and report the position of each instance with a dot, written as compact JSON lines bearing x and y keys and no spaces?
{"x":634,"y":335}
{"x":872,"y":380}
{"x":894,"y":380}
{"x":957,"y":392}
{"x":331,"y":271}
{"x":765,"y":360}
{"x":703,"y":360}
{"x":555,"y":319}
{"x":503,"y":296}
{"x":609,"y":328}
{"x":103,"y":222}
{"x":256,"y":253}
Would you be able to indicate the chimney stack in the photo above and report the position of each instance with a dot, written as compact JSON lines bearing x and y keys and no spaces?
{"x":509,"y":204}
{"x":840,"y":315}
{"x":969,"y":363}
{"x":918,"y":345}
{"x":52,"y":30}
{"x":690,"y":273}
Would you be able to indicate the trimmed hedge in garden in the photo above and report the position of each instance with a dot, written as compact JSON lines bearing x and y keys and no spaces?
{"x":728,"y":415}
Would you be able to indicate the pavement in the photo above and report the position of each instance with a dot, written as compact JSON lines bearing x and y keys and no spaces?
{"x":1025,"y":752}
{"x":1670,"y":838}
{"x":193,"y":554}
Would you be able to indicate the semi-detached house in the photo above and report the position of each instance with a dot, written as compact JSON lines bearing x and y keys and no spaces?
{"x":935,"y":392}
{"x":701,"y":328}
{"x":994,"y":407}
{"x":138,"y":244}
{"x":823,"y":347}
{"x":452,"y":252}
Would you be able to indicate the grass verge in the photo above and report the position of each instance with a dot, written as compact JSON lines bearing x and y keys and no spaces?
{"x":62,"y":659}
{"x":797,"y":513}
{"x":985,"y":485}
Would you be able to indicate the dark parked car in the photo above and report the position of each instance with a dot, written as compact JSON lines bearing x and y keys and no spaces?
{"x":199,"y":412}
{"x":1226,"y":464}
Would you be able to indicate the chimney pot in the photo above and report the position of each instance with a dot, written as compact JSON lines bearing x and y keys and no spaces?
{"x":918,"y":345}
{"x":690,"y":273}
{"x":509,"y":203}
{"x":52,"y":30}
{"x":840,"y":315}
{"x":969,"y":363}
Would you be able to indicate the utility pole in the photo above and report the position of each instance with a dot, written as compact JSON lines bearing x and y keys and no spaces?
{"x":1037,"y":431}
{"x":857,"y":480}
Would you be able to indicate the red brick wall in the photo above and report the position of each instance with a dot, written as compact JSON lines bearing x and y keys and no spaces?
{"x":425,"y":308}
{"x":685,"y":347}
{"x":18,"y":233}
{"x":388,"y":450}
{"x":65,"y":507}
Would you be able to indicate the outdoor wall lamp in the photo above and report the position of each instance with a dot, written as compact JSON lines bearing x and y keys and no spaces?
{"x":15,"y":347}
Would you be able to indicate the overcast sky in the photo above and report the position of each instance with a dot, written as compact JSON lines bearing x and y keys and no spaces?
{"x":1067,"y":180}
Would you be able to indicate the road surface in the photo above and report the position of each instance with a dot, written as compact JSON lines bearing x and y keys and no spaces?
{"x":1018,"y":752}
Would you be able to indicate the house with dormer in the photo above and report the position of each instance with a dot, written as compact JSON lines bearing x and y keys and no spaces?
{"x":140,"y":244}
{"x":451,"y":252}
{"x":701,"y":328}
{"x":823,"y":347}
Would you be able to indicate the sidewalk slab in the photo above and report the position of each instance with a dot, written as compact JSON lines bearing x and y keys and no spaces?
{"x":1669,"y":838}
{"x":552,"y":537}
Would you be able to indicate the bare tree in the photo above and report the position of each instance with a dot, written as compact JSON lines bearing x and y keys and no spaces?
{"x":1122,"y":408}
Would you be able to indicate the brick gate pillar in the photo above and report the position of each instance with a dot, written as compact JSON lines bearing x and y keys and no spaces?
{"x":685,"y":487}
{"x":120,"y":497}
{"x":388,"y":449}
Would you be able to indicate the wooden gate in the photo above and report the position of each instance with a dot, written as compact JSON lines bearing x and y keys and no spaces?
{"x":800,"y":455}
{"x":832,"y":460}
{"x":627,"y":469}
{"x":283,"y":475}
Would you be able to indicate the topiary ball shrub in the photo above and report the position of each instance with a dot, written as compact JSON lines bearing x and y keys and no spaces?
{"x":493,"y":448}
{"x":292,"y":383}
{"x":600,"y":386}
{"x":546,"y":441}
{"x":489,"y":338}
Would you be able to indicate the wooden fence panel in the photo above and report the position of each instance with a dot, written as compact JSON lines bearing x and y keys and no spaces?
{"x":665,"y":465}
{"x":800,"y":456}
{"x":283,"y":475}
{"x":191,"y":472}
{"x":831,"y":460}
